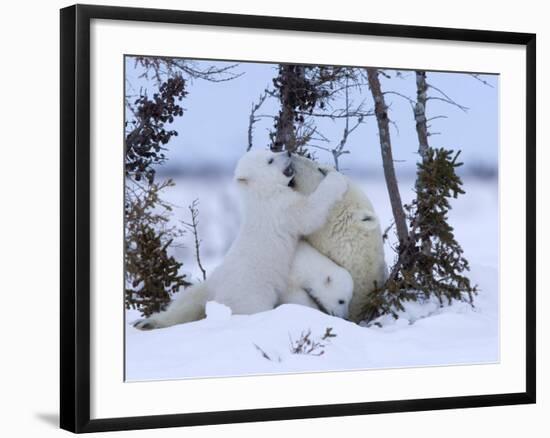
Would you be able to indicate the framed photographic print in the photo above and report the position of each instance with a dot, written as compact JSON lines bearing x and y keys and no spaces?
{"x":271,"y":218}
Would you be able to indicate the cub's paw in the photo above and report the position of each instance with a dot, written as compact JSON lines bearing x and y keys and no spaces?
{"x":146,"y":324}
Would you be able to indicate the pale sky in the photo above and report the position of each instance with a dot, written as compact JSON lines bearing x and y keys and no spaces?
{"x":213,"y":129}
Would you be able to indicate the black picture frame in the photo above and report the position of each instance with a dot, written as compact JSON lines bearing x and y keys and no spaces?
{"x":75,"y":217}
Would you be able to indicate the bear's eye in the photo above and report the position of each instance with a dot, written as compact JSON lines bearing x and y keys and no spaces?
{"x":270,"y":161}
{"x":341,"y":301}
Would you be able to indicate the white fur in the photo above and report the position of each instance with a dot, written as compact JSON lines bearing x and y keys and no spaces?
{"x":256,"y":269}
{"x":351,"y":237}
{"x":318,"y":282}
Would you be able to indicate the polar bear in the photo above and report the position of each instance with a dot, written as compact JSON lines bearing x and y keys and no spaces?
{"x":256,"y":268}
{"x":318,"y":282}
{"x":351,"y":237}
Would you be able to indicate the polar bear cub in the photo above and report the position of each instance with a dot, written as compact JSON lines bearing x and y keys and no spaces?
{"x":318,"y":282}
{"x":256,"y":269}
{"x":351,"y":237}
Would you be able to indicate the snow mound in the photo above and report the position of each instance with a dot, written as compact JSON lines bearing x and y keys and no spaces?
{"x":229,"y":345}
{"x":217,"y":312}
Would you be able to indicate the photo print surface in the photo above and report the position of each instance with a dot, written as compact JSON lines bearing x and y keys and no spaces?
{"x":287,"y":218}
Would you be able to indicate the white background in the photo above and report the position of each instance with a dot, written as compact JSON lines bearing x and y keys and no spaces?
{"x":30,"y":218}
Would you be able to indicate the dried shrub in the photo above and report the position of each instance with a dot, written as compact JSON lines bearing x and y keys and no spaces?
{"x":146,"y":134}
{"x":152,"y":275}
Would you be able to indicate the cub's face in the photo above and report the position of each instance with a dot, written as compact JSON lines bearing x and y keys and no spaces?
{"x":264,"y":170}
{"x":332,"y":293}
{"x":338,"y":290}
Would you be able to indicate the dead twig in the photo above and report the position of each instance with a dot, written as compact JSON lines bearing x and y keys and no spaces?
{"x":193,"y":227}
{"x":480,"y":79}
{"x":253,"y":118}
{"x":305,"y":344}
{"x":445,"y":98}
{"x":339,"y":150}
{"x":263,"y":353}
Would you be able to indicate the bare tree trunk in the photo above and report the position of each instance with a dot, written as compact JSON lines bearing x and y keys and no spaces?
{"x":422,"y":134}
{"x":290,"y":76}
{"x":420,"y":113}
{"x":381,"y":112}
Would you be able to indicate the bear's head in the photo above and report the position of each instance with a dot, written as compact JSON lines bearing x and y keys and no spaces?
{"x":308,"y":174}
{"x":263,"y":171}
{"x":358,"y":213}
{"x":335,"y":293}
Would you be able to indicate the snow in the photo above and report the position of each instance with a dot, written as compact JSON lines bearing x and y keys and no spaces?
{"x":231,"y":345}
{"x":425,"y":334}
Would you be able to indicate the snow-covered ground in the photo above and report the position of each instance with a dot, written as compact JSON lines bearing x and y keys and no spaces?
{"x":228,"y":345}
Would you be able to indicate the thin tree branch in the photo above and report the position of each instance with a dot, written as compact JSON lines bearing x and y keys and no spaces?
{"x":166,"y":66}
{"x":483,"y":81}
{"x":451,"y":102}
{"x":445,"y":98}
{"x":193,"y":226}
{"x":339,"y":150}
{"x":407,"y":98}
{"x":253,"y":119}
{"x":436,"y":117}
